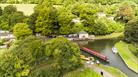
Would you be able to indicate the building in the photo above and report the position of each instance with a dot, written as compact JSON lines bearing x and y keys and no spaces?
{"x":101,"y":15}
{"x":76,"y":20}
{"x":111,"y":17}
{"x":6,"y":35}
{"x":83,"y":34}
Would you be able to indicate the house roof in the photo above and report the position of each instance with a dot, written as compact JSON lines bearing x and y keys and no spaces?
{"x":82,"y":32}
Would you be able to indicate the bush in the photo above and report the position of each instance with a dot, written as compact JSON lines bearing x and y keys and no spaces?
{"x":106,"y":26}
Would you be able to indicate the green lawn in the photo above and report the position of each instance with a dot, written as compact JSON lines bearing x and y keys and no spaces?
{"x":85,"y":73}
{"x":110,"y":36}
{"x":134,"y":49}
{"x":127,"y":55}
{"x":27,"y":9}
{"x":115,"y":72}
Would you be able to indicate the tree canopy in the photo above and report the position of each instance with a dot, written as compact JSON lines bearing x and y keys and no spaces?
{"x":21,"y":30}
{"x":131,"y":31}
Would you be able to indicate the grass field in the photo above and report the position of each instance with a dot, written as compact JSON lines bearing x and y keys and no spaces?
{"x":128,"y":57}
{"x":27,"y":9}
{"x":85,"y":73}
{"x":115,"y":72}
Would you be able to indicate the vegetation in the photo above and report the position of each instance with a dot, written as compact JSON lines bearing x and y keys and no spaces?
{"x":127,"y":55}
{"x":134,"y":49}
{"x":23,"y":58}
{"x":131,"y":31}
{"x":115,"y":72}
{"x":10,"y":16}
{"x":21,"y":30}
{"x":111,"y":36}
{"x":32,"y":56}
{"x":82,"y":72}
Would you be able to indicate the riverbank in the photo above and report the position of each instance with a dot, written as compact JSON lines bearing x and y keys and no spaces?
{"x":110,"y":36}
{"x":114,"y":71}
{"x":82,"y":72}
{"x":130,"y":60}
{"x":108,"y":71}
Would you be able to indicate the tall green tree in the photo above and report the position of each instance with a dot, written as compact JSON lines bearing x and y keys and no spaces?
{"x":22,"y":30}
{"x":10,"y":9}
{"x":131,"y":31}
{"x":46,"y":21}
{"x":126,"y":12}
{"x":64,"y":53}
{"x":1,"y":11}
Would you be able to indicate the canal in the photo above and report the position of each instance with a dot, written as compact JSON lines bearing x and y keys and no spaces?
{"x":105,"y":47}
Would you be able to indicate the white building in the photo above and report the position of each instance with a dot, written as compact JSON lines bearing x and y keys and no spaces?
{"x":6,"y":36}
{"x":76,"y":20}
{"x":83,"y":34}
{"x":4,"y":31}
{"x":101,"y":15}
{"x":111,"y":17}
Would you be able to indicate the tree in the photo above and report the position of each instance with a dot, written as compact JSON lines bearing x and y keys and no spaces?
{"x":17,"y":17}
{"x":46,"y":21}
{"x":32,"y":21}
{"x":65,"y":19}
{"x":131,"y":31}
{"x":125,"y":13}
{"x":1,"y":11}
{"x":64,"y":53}
{"x":13,"y":66}
{"x":105,"y":26}
{"x":21,"y":30}
{"x":10,"y":9}
{"x":19,"y":60}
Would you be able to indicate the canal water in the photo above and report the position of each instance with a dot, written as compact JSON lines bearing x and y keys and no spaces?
{"x":105,"y":47}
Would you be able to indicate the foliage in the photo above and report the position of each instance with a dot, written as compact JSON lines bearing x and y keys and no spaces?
{"x":65,"y":19}
{"x":65,"y":54}
{"x":1,"y":11}
{"x":126,"y":12}
{"x":13,"y":66}
{"x":106,"y":26}
{"x":131,"y":31}
{"x":9,"y":9}
{"x":10,"y":16}
{"x":21,"y":30}
{"x":27,"y":56}
{"x":46,"y":21}
{"x":19,"y":60}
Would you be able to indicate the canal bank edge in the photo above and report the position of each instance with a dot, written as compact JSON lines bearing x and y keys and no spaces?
{"x":114,"y":71}
{"x":129,"y":59}
{"x":110,"y":36}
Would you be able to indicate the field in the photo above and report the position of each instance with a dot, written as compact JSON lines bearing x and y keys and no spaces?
{"x":27,"y":9}
{"x":115,"y":72}
{"x":83,"y":73}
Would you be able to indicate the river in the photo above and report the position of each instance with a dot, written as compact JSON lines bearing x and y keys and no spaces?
{"x":105,"y":47}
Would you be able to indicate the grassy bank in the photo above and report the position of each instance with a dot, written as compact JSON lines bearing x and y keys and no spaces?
{"x":82,"y":73}
{"x":115,"y":72}
{"x":110,"y":36}
{"x":128,"y":57}
{"x":134,"y":49}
